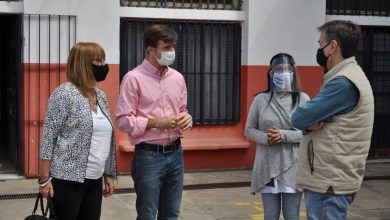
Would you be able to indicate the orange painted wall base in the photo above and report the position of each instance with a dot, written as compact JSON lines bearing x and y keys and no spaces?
{"x":225,"y":147}
{"x":205,"y":147}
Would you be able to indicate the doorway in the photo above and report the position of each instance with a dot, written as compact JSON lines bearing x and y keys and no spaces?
{"x":10,"y":94}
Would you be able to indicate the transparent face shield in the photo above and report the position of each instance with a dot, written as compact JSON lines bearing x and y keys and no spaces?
{"x":283,"y":75}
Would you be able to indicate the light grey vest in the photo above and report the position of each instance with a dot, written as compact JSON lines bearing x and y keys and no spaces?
{"x":339,"y":150}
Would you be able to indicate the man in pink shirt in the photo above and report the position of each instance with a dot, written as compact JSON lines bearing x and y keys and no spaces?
{"x":152,"y":111}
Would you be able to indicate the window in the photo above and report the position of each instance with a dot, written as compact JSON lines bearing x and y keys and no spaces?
{"x":358,"y":7}
{"x":208,"y":54}
{"x":374,"y":57}
{"x":186,"y":4}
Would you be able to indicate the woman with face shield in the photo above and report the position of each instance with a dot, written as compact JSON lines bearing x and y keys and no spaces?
{"x":269,"y":125}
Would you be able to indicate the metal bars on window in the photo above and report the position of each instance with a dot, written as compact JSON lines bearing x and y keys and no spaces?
{"x":374,"y":57}
{"x":185,"y":4}
{"x":47,"y":41}
{"x":358,"y":7}
{"x":209,"y":57}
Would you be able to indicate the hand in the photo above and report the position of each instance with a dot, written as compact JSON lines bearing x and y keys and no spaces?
{"x":169,"y":122}
{"x":274,"y":136}
{"x":317,"y":126}
{"x":108,"y":186}
{"x":46,"y":190}
{"x":185,"y":121}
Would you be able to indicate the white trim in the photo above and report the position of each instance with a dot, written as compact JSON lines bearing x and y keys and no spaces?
{"x":362,"y":20}
{"x":11,"y":7}
{"x":186,"y":14}
{"x":378,"y":161}
{"x":11,"y":176}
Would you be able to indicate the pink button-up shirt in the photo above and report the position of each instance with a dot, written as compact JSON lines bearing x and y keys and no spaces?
{"x":145,"y":94}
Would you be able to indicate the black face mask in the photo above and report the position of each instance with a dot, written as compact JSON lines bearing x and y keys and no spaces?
{"x":321,"y":58}
{"x":100,"y":72}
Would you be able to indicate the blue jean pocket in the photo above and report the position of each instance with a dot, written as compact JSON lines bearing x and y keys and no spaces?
{"x":344,"y":201}
{"x":141,"y":158}
{"x":144,"y":155}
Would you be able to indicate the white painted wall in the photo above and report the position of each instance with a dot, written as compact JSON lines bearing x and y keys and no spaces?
{"x":36,"y":38}
{"x":269,"y":27}
{"x":282,"y":26}
{"x":97,"y":21}
{"x":186,"y":14}
{"x":11,"y":7}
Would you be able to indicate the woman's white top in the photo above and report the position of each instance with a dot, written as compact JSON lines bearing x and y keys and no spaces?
{"x":100,"y":145}
{"x":279,"y":187}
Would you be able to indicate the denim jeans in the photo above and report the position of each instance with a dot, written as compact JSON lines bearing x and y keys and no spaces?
{"x":290,"y":203}
{"x":158,"y":183}
{"x":327,"y":207}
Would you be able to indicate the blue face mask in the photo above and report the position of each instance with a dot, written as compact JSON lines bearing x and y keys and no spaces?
{"x":282,"y":81}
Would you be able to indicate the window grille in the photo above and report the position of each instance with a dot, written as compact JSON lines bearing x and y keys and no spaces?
{"x":208,"y":54}
{"x":47,"y":42}
{"x":358,"y":7}
{"x":374,"y":57}
{"x":185,"y":4}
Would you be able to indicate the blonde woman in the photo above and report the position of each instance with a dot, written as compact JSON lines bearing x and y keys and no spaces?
{"x":77,"y":152}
